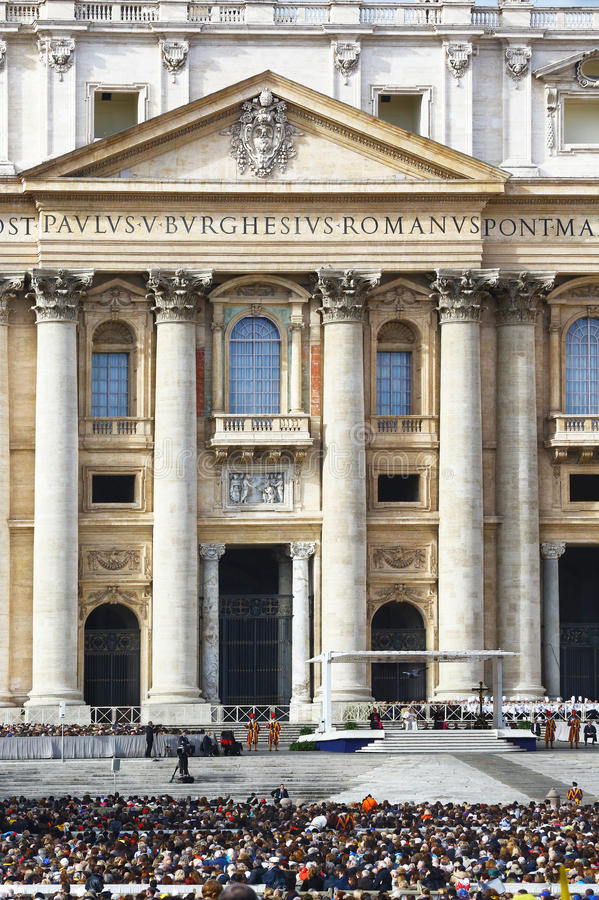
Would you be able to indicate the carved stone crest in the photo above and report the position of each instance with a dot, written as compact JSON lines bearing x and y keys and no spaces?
{"x":399,"y":558}
{"x":113,"y":559}
{"x":458,"y":58}
{"x":57,"y":53}
{"x":347,"y":57}
{"x":174,"y":55}
{"x":517,"y":62}
{"x":425,"y":598}
{"x":262,"y":138}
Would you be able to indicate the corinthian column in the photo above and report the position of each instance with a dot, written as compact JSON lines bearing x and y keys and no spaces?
{"x":300,"y":553}
{"x":517,"y":483}
{"x":55,"y":538}
{"x":210,"y":554}
{"x":461,"y":606}
{"x":9,"y":285}
{"x":551,"y":551}
{"x":175,"y":672}
{"x":343,"y":296}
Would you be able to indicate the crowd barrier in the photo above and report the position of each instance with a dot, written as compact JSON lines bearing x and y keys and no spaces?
{"x":91,"y":746}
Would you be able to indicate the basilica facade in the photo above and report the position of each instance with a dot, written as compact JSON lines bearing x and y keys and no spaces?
{"x":296,"y":359}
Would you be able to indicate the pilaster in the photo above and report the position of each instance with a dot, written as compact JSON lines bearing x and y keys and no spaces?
{"x":457,"y":81}
{"x":56,"y":296}
{"x":300,"y":553}
{"x":58,"y":55}
{"x":517,"y":109}
{"x":175,"y":296}
{"x":210,"y":554}
{"x":459,"y":297}
{"x":551,"y":552}
{"x":9,"y":287}
{"x":343,"y":296}
{"x":6,"y":167}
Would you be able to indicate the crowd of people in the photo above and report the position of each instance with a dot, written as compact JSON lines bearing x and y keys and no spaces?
{"x":201,"y":845}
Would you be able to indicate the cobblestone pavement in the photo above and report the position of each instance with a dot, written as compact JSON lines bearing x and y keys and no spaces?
{"x":310,"y":776}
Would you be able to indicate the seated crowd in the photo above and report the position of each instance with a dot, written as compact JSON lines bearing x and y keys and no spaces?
{"x":461,"y":850}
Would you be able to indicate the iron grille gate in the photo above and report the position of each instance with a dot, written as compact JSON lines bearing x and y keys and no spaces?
{"x":111,"y":667}
{"x":255,"y":649}
{"x":398,"y":681}
{"x":579,"y":652}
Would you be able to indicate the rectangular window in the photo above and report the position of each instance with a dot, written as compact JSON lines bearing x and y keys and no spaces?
{"x":403,"y":110}
{"x":584,"y":488}
{"x":393,"y":383}
{"x":398,"y":488}
{"x":114,"y":111}
{"x":110,"y":384}
{"x":581,"y":120}
{"x":113,"y":488}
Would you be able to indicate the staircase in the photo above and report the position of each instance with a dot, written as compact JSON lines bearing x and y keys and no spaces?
{"x":465,"y":741}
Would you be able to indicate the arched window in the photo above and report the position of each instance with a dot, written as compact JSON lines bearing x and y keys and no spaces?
{"x":254,"y":366}
{"x":582,"y":367}
{"x":394,"y":370}
{"x":110,"y":370}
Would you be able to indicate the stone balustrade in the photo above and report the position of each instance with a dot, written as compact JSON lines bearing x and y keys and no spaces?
{"x":385,"y":15}
{"x":572,"y":429}
{"x":121,"y":426}
{"x":230,"y":430}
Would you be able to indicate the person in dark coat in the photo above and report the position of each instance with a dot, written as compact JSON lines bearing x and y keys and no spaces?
{"x":150,"y":732}
{"x":382,"y":879}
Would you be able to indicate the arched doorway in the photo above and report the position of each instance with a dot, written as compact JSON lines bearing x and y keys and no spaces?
{"x":398,"y":626}
{"x":112,"y":656}
{"x":255,"y":626}
{"x":579,"y":622}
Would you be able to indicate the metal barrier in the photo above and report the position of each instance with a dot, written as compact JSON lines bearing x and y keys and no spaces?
{"x":239,"y":714}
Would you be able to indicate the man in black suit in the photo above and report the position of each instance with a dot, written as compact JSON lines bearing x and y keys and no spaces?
{"x":150,"y":731}
{"x":184,"y":751}
{"x":279,"y":793}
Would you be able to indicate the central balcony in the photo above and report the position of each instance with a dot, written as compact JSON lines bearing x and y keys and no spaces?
{"x":404,"y":431}
{"x":574,"y":434}
{"x":106,"y":431}
{"x":260,"y":431}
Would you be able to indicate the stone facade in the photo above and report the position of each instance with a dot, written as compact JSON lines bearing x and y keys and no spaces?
{"x":262,"y":198}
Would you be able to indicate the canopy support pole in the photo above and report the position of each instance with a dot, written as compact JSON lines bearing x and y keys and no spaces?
{"x":497,"y":692}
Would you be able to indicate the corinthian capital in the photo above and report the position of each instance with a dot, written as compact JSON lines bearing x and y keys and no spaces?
{"x":301,"y":549}
{"x":517,"y":296}
{"x":176,"y":295}
{"x":458,"y":294}
{"x":343,"y":294}
{"x":553,"y":549}
{"x":212,"y":551}
{"x":9,"y":285}
{"x":57,"y":293}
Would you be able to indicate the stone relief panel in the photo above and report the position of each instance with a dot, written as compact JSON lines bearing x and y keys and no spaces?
{"x":139,"y":600}
{"x":257,"y":488}
{"x":130,"y":562}
{"x":417,"y":561}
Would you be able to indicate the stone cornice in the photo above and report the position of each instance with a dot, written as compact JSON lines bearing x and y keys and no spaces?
{"x":458,"y":294}
{"x":9,"y":287}
{"x":343,"y":294}
{"x":176,"y":294}
{"x":517,"y":296}
{"x":57,"y":293}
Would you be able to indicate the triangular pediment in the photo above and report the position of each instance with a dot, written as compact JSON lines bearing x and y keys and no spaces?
{"x":569,"y":66}
{"x":328,"y":141}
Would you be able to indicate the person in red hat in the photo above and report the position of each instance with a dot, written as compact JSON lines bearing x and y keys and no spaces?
{"x":274,"y":732}
{"x":253,"y":730}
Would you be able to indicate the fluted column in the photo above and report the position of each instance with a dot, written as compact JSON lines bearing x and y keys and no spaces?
{"x":56,"y":298}
{"x":461,"y":602}
{"x":9,"y":285}
{"x":300,"y":553}
{"x":551,"y":551}
{"x":210,"y":555}
{"x":517,"y":482}
{"x":176,"y":296}
{"x":343,"y":296}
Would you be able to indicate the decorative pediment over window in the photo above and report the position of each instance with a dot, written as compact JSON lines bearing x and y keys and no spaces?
{"x":580,"y":68}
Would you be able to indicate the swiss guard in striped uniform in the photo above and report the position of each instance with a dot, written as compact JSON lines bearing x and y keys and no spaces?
{"x":274,"y":731}
{"x":549,"y":729}
{"x":253,"y":729}
{"x":574,"y":733}
{"x":574,"y":795}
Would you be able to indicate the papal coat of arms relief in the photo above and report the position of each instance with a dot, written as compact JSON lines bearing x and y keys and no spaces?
{"x":262,"y":137}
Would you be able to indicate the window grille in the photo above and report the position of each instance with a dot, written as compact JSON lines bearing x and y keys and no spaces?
{"x":582,"y":367}
{"x":254,"y":366}
{"x":393,"y":383}
{"x":110,"y":384}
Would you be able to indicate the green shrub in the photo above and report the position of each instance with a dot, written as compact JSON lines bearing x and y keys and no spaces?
{"x":303,"y":745}
{"x":350,"y":726}
{"x":524,"y":724}
{"x":306,"y":730}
